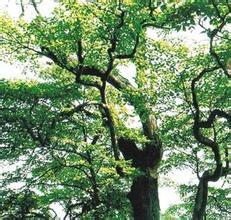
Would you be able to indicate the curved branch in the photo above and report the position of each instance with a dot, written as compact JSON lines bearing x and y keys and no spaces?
{"x":212,"y":116}
{"x":212,"y":51}
{"x":132,"y":53}
{"x":35,"y":7}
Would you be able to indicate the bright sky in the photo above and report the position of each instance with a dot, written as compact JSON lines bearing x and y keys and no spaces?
{"x":168,"y":195}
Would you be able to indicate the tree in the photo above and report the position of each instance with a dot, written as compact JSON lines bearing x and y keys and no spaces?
{"x":86,"y":43}
{"x":22,"y":205}
{"x":60,"y":150}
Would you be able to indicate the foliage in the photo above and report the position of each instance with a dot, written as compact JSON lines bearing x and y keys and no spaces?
{"x":22,"y":205}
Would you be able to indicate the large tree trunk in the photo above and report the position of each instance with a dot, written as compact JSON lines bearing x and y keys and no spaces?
{"x":144,"y":190}
{"x":201,"y":200}
{"x":199,"y":210}
{"x":144,"y":198}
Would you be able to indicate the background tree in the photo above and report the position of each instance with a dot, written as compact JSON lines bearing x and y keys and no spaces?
{"x":22,"y":205}
{"x":60,"y":151}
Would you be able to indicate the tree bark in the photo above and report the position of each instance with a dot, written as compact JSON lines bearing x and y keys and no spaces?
{"x":201,"y":200}
{"x":144,"y":198}
{"x":144,"y":190}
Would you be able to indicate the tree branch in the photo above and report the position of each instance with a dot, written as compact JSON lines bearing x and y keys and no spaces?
{"x":35,"y":7}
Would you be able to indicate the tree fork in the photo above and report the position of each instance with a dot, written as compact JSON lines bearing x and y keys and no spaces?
{"x":144,"y":190}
